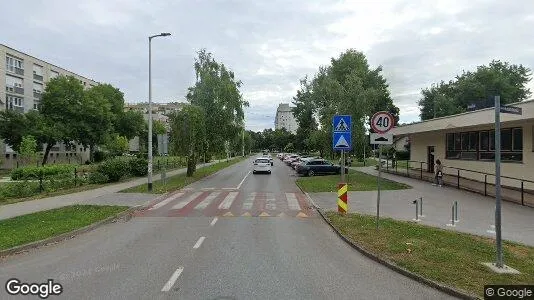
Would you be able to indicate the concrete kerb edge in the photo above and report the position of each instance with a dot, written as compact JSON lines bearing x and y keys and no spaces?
{"x":448,"y":290}
{"x":125,"y":216}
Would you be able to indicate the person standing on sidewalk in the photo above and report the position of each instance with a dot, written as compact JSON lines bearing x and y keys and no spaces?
{"x":438,"y":169}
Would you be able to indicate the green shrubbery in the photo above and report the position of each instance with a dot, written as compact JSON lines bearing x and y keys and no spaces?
{"x":138,"y":167}
{"x":98,"y":178}
{"x":114,"y":168}
{"x":47,"y":171}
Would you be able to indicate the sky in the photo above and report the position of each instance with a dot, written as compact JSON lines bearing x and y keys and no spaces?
{"x":270,"y":45}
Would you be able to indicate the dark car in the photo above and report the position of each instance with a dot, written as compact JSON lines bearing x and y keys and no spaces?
{"x":318,"y":166}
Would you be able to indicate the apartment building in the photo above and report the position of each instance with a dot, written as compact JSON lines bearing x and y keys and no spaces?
{"x":285,"y":119}
{"x":22,"y":81}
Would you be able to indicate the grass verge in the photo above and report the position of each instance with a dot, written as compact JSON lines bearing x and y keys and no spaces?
{"x":49,"y":223}
{"x":448,"y":257}
{"x":179,"y":181}
{"x":357,"y":181}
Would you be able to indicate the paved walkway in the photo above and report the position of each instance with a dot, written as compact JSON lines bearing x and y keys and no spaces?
{"x":507,"y":193}
{"x":476,"y":212}
{"x":107,"y":195}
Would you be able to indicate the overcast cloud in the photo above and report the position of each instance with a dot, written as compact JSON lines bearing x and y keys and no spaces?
{"x":270,"y":45}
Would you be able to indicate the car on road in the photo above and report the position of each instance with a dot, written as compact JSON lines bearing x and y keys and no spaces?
{"x":262,"y":164}
{"x":314,"y":167}
{"x":268,"y":156}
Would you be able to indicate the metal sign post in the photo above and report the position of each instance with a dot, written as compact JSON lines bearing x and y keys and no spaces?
{"x":498,"y":237}
{"x":381,"y":123}
{"x":342,"y":140}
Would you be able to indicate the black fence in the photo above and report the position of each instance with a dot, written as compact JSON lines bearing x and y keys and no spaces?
{"x":513,"y":189}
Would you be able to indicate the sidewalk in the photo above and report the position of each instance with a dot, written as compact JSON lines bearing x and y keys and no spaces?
{"x":507,"y":193}
{"x":476,"y":212}
{"x":107,"y":195}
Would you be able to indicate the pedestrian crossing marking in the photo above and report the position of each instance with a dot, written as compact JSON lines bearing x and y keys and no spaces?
{"x":230,"y":204}
{"x":292,"y":201}
{"x":184,"y":202}
{"x":228,"y":200}
{"x":208,"y":200}
{"x":249,"y":201}
{"x":166,"y":201}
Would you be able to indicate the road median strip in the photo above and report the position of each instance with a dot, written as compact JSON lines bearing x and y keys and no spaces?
{"x":445,"y":260}
{"x":33,"y":230}
{"x":357,"y":181}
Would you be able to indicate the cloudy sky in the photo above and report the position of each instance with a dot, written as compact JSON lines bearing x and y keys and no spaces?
{"x":270,"y":44}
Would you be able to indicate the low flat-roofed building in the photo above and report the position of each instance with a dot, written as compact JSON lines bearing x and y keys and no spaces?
{"x":466,"y":141}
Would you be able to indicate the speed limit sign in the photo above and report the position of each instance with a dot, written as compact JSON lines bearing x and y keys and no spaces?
{"x":382,"y":122}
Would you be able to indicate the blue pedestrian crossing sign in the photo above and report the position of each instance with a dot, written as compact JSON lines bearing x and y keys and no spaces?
{"x":342,"y":133}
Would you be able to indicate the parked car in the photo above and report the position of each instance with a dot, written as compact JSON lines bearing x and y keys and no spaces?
{"x":300,"y":160}
{"x":318,"y":166}
{"x":261,"y":164}
{"x":290,"y":159}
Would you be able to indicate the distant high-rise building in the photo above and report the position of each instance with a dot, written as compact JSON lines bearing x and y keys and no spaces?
{"x":285,"y":119}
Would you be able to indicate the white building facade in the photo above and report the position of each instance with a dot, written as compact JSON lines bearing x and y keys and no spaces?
{"x":285,"y":119}
{"x":23,"y":79}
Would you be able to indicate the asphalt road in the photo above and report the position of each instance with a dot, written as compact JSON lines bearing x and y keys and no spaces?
{"x":233,"y":235}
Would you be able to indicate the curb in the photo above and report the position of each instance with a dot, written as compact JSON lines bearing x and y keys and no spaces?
{"x":124,"y":216}
{"x":444,"y":288}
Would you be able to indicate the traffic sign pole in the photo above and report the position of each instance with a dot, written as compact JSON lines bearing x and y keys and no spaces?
{"x":498,"y":236}
{"x":378,"y":184}
{"x":342,"y":166}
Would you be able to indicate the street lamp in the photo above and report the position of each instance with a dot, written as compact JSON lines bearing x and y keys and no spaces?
{"x":150,"y":107}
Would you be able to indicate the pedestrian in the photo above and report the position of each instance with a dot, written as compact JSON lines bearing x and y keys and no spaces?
{"x":438,"y":170}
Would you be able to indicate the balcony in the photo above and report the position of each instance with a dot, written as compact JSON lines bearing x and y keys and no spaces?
{"x":18,"y":90}
{"x":38,"y":77}
{"x":37,"y":95}
{"x":19,"y":71}
{"x":19,"y":109}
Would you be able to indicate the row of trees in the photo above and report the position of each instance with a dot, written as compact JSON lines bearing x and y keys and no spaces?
{"x":347,"y":86}
{"x":213,"y":122}
{"x":69,"y":113}
{"x":453,"y":97}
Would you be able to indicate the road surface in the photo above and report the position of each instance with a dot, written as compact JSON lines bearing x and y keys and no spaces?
{"x":233,"y":235}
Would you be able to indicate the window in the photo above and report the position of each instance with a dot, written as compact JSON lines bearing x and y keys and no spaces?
{"x":506,"y":139}
{"x":480,"y":145}
{"x":35,"y":105}
{"x":517,"y":139}
{"x":53,"y":74}
{"x":37,"y":70}
{"x":14,"y":101}
{"x":37,"y":88}
{"x":484,"y":140}
{"x":12,"y":81}
{"x":13,"y":63}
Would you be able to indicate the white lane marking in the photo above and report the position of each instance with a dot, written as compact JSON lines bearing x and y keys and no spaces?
{"x":249,"y":201}
{"x":186,"y":200}
{"x":167,"y":287}
{"x":208,"y":200}
{"x":239,"y":186}
{"x":292,"y":201}
{"x":214,"y":221}
{"x":270,"y":202}
{"x":227,"y":202}
{"x":199,"y":242}
{"x":166,"y":201}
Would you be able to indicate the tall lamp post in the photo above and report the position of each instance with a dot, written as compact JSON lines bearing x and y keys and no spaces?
{"x":150,"y":107}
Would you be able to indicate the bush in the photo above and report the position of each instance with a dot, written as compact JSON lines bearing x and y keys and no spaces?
{"x":138,"y":167}
{"x":402,"y":155}
{"x":18,"y":189}
{"x":98,"y":178}
{"x":99,"y":156}
{"x":47,"y":171}
{"x":114,"y":168}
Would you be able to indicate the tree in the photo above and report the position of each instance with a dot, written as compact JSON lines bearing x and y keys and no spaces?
{"x":117,"y":145}
{"x":216,"y":90}
{"x":13,"y":127}
{"x":498,"y":78}
{"x":130,"y":124}
{"x":28,"y":149}
{"x":188,"y":131}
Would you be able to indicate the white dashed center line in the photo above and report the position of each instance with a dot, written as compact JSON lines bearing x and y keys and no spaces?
{"x":199,"y":242}
{"x":214,"y":221}
{"x":167,"y":287}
